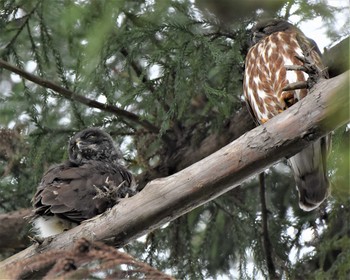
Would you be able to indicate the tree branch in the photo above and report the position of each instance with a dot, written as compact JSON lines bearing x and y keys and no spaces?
{"x":21,"y":27}
{"x":82,"y":99}
{"x":163,"y":200}
{"x":336,"y":59}
{"x":138,"y":70}
{"x":18,"y":225}
{"x":265,"y":229}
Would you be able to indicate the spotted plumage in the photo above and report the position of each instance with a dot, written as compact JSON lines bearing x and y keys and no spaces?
{"x":276,"y":44}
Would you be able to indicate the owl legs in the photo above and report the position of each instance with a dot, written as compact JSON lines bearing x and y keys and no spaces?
{"x":310,"y":68}
{"x":288,"y":98}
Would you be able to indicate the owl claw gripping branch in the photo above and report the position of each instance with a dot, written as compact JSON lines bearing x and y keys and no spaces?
{"x":310,"y":68}
{"x":281,"y":66}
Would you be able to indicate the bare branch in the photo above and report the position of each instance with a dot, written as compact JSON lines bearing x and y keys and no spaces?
{"x":163,"y":200}
{"x":82,"y":99}
{"x":265,"y":229}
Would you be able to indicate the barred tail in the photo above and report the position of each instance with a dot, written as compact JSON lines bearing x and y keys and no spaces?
{"x":310,"y":173}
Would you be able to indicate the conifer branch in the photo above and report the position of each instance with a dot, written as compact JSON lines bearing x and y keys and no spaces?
{"x":138,"y":70}
{"x":21,"y":27}
{"x":144,"y":78}
{"x":79,"y":262}
{"x":70,"y":95}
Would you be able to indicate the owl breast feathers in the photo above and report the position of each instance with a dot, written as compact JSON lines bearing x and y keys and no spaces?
{"x":276,"y":44}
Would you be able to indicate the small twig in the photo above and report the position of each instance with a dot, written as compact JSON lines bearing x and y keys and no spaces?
{"x":266,"y":238}
{"x":73,"y":96}
{"x":20,"y":29}
{"x":223,"y":209}
{"x":144,"y":78}
{"x":288,"y":8}
{"x":138,"y":70}
{"x":219,"y":33}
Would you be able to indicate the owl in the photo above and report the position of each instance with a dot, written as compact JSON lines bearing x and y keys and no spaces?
{"x":276,"y":44}
{"x":86,"y":185}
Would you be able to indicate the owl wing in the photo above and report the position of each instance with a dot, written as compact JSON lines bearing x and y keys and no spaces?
{"x":74,"y":192}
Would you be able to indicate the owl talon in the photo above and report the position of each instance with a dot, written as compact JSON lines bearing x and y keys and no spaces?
{"x":309,"y":67}
{"x":296,"y":68}
{"x":288,"y":98}
{"x":296,"y":85}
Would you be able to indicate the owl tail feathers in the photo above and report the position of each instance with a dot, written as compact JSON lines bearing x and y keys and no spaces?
{"x":313,"y":190}
{"x":309,"y":167}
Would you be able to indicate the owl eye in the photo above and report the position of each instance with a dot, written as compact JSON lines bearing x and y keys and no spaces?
{"x":91,"y":137}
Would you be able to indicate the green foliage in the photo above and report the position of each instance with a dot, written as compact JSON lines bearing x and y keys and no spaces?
{"x":172,"y":65}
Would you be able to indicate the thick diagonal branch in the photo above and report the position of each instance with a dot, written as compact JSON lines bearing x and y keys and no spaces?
{"x":163,"y":200}
{"x":81,"y":99}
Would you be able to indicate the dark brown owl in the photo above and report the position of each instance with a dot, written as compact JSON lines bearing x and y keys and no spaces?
{"x":88,"y":184}
{"x":274,"y":45}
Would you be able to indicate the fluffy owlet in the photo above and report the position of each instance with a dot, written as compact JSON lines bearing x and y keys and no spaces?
{"x":88,"y":184}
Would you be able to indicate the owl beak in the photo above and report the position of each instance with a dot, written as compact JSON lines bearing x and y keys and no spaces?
{"x":84,"y":145}
{"x":78,"y":143}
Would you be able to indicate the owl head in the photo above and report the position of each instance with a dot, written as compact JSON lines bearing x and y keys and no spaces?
{"x":92,"y":144}
{"x":267,"y":27}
